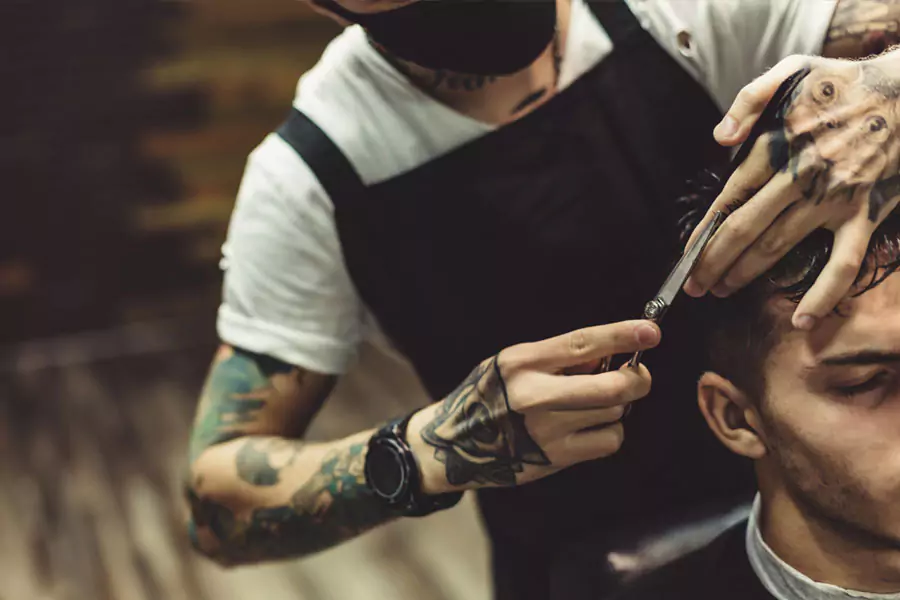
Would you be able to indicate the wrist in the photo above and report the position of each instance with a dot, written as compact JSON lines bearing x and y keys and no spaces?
{"x":432,"y":472}
{"x":394,"y":474}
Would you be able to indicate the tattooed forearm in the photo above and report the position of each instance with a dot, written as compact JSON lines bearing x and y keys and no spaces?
{"x":257,"y":491}
{"x":259,"y":461}
{"x":247,"y":393}
{"x":862,"y":28}
{"x":236,"y":390}
{"x":477,"y":436}
{"x":330,"y":507}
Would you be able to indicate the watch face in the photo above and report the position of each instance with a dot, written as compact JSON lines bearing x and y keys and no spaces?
{"x":385,"y":471}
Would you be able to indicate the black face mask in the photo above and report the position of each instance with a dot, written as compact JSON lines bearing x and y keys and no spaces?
{"x":478,"y":37}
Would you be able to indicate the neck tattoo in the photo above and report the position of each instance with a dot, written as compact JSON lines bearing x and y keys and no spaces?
{"x":430,"y":80}
{"x":557,"y":68}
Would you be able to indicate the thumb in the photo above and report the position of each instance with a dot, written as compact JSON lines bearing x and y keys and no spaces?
{"x":750,"y":102}
{"x":591,"y":344}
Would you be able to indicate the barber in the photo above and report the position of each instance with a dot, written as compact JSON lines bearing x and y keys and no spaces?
{"x":465,"y":180}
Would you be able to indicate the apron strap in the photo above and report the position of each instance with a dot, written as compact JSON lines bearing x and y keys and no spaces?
{"x":335,"y":173}
{"x":332,"y":168}
{"x":617,"y":19}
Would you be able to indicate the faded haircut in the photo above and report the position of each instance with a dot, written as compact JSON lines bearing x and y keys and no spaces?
{"x":742,"y":330}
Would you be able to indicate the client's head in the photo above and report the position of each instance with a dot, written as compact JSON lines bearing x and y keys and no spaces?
{"x":818,"y":411}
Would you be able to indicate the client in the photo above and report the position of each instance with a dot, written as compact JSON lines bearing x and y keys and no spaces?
{"x":818,"y":412}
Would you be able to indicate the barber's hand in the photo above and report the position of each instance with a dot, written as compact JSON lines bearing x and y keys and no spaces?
{"x":532,"y":410}
{"x":832,"y":163}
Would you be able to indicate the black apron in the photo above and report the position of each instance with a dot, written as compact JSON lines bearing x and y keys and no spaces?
{"x":560,"y":220}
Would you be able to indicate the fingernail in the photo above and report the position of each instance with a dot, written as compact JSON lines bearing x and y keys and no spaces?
{"x":693,"y":289}
{"x":645,"y":334}
{"x":804,"y":322}
{"x":726,"y":128}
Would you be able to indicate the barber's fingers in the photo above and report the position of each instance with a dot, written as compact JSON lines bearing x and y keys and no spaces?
{"x":740,"y":233}
{"x":750,"y":102}
{"x":581,"y":346}
{"x":589,"y":367}
{"x":746,"y":181}
{"x":604,"y":390}
{"x":793,"y":224}
{"x":837,"y":277}
{"x":593,"y":444}
{"x":554,"y":425}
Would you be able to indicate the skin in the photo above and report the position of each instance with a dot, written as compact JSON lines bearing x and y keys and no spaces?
{"x":258,"y":492}
{"x":824,"y":440}
{"x":833,"y":162}
{"x":491,"y":100}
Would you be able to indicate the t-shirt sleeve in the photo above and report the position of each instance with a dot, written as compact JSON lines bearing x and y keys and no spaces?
{"x":286,"y":291}
{"x":731,"y":42}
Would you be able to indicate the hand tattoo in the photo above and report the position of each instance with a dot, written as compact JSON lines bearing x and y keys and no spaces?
{"x":477,"y":436}
{"x":836,"y":137}
{"x":334,"y":505}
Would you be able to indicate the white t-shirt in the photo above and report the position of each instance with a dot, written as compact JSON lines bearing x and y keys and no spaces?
{"x":286,"y":291}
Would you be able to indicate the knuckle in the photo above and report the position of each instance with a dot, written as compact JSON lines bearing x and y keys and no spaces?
{"x":848,"y":268}
{"x":812,"y":164}
{"x":813,"y":61}
{"x":790,"y":64}
{"x":627,"y":387}
{"x":617,"y":412}
{"x":525,"y":393}
{"x":857,"y":254}
{"x":771,"y":245}
{"x":612,"y":396}
{"x":733,"y":281}
{"x":736,"y":228}
{"x":513,"y":359}
{"x":579,"y":343}
{"x":613,"y":439}
{"x":613,"y":393}
{"x":797,"y":60}
{"x":749,"y":95}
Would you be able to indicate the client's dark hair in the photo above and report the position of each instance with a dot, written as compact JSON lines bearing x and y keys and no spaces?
{"x":740,"y":332}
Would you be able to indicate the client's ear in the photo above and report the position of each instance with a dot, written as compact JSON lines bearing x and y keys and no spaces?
{"x":731,"y":416}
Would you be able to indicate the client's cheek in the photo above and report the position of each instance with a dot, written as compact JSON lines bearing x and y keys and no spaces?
{"x":878,"y":472}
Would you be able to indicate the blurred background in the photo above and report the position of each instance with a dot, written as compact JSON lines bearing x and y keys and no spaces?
{"x":125,"y":127}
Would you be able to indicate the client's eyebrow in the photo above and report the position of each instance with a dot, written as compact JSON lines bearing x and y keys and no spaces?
{"x":864,"y":357}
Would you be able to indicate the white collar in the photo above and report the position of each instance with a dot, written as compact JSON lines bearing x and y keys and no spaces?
{"x":787,"y":583}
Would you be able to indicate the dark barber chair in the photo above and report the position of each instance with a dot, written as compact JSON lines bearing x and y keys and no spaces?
{"x":583,"y":569}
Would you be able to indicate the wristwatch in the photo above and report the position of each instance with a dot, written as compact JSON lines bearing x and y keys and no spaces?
{"x":392,"y":474}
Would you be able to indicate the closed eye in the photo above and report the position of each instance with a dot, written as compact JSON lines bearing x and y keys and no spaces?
{"x":873,"y":383}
